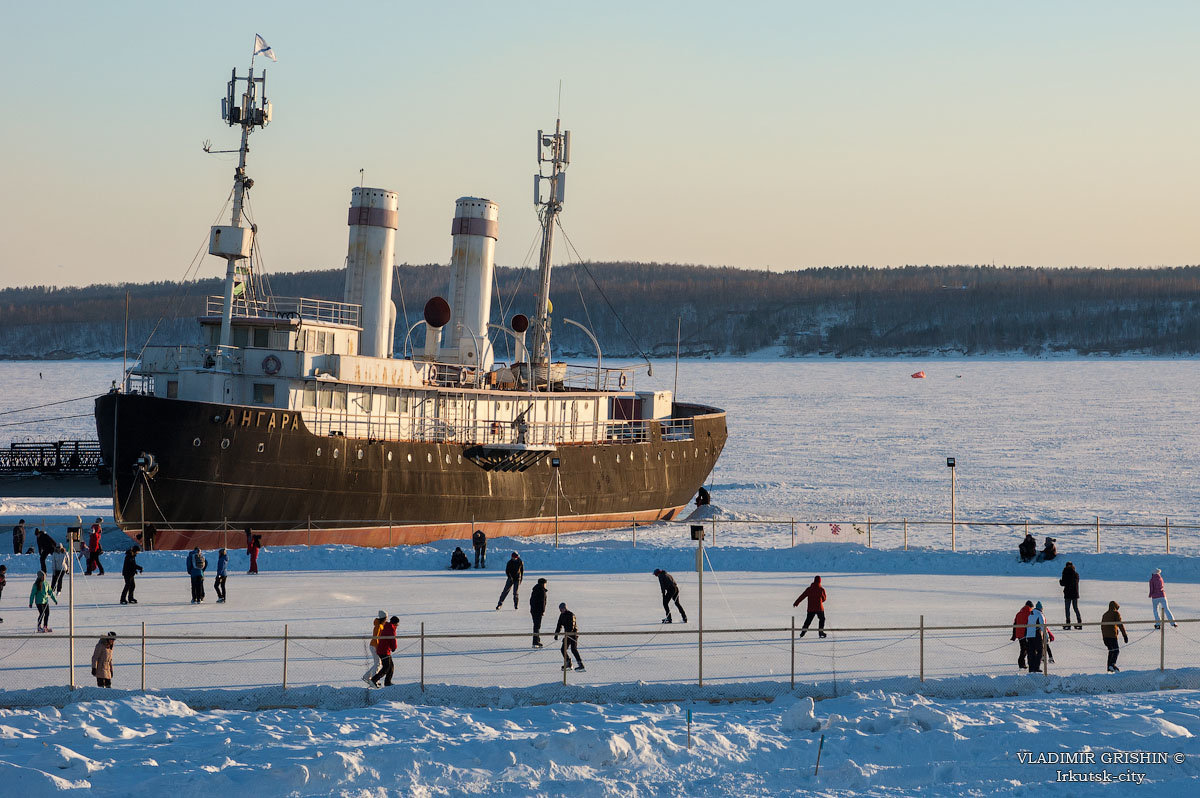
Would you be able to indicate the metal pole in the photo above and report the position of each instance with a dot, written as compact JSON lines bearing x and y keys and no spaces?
{"x":285,"y":648}
{"x":390,"y":528}
{"x":922,"y":648}
{"x":635,"y":534}
{"x":868,"y":531}
{"x":1162,"y":644}
{"x":700,"y":637}
{"x":1097,"y":534}
{"x":71,"y":538}
{"x":143,"y":656}
{"x":556,"y":493}
{"x":1045,"y":645}
{"x":422,"y":656}
{"x":953,"y":529}
{"x":714,"y":530}
{"x":1168,"y":525}
{"x":906,"y":534}
{"x":793,"y":652}
{"x":793,"y":533}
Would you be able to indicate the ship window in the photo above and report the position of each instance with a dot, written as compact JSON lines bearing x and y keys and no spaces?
{"x":172,"y":389}
{"x":393,"y":401}
{"x":326,"y":396}
{"x":261,"y":337}
{"x":264,"y":393}
{"x":339,"y":397}
{"x":241,"y":336}
{"x":320,"y":342}
{"x":310,"y":395}
{"x":328,"y":348}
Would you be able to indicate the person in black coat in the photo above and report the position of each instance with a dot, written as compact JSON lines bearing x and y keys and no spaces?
{"x":569,"y":626}
{"x":45,"y":547}
{"x":479,"y":541}
{"x":1048,"y":552}
{"x":1028,"y":548}
{"x":514,"y":570}
{"x":130,"y":569}
{"x":1070,"y":586}
{"x":670,"y":592}
{"x":458,"y":560}
{"x":19,"y":537}
{"x":537,"y":608}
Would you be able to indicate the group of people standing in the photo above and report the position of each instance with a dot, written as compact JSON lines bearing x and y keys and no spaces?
{"x":1032,"y":631}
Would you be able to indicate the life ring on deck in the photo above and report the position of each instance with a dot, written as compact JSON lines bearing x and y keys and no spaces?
{"x":272,"y":364}
{"x":622,"y":381}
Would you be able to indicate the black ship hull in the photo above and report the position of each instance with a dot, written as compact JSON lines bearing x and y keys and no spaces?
{"x":217,"y":470}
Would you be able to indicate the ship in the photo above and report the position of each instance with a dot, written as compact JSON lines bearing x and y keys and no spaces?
{"x":295,"y":419}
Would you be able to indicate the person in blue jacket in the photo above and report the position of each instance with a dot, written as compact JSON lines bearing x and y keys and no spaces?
{"x":222,"y":568}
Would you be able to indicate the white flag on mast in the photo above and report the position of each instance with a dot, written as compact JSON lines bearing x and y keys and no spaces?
{"x":262,"y":48}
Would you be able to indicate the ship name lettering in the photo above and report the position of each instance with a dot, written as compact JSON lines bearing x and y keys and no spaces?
{"x":258,"y":418}
{"x":247,"y":417}
{"x":271,"y":423}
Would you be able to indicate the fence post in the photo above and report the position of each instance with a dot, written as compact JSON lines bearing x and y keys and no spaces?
{"x":1045,"y":633}
{"x":1168,"y":525}
{"x":285,"y":648}
{"x":714,"y":533}
{"x":422,"y":656}
{"x":635,"y":534}
{"x":906,"y":534}
{"x":390,"y":528}
{"x":922,"y":647}
{"x":308,"y":530}
{"x":793,"y":533}
{"x":1162,"y":644}
{"x":793,"y":652}
{"x":1097,"y":534}
{"x":868,"y":531}
{"x":143,"y":656}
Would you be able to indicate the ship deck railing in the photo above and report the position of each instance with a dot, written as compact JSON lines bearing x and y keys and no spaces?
{"x":325,"y":311}
{"x":429,"y":429}
{"x":574,"y":377}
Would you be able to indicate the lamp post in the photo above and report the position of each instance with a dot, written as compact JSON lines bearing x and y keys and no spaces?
{"x":554,"y":463}
{"x":953,"y":527}
{"x":73,"y":535}
{"x":698,"y":536}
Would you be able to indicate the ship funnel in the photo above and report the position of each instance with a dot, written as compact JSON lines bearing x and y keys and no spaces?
{"x":475,"y":229}
{"x":373,"y":220}
{"x":437,"y":314}
{"x":519,"y":324}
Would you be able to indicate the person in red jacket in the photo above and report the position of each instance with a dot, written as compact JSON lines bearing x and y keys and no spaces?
{"x":94,"y":550}
{"x":816,"y":606}
{"x":387,"y":644}
{"x":1018,"y":633}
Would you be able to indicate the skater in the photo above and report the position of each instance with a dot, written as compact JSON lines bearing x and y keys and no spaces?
{"x":3,"y":582}
{"x":373,"y":644}
{"x":387,"y":644}
{"x":45,"y":547}
{"x":102,"y":660}
{"x":196,"y":565}
{"x":816,"y":606}
{"x":41,"y":595}
{"x":569,"y":626}
{"x":514,"y":570}
{"x":458,"y":560}
{"x":1070,"y":586}
{"x":19,"y":537}
{"x":1158,"y":598}
{"x":479,"y":541}
{"x":59,"y":560}
{"x":1033,"y":638}
{"x":1018,"y":632}
{"x":537,"y":608}
{"x":94,"y":550}
{"x":222,"y":572}
{"x":1048,"y":552}
{"x":1110,"y":624}
{"x":130,"y":569}
{"x":1028,"y":548}
{"x":255,"y":548}
{"x":249,"y":540}
{"x":148,"y":537}
{"x":670,"y":592}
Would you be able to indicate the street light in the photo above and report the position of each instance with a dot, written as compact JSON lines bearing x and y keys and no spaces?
{"x":950,"y":465}
{"x":698,"y":536}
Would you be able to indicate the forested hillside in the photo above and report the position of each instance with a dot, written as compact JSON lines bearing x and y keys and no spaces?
{"x":841,"y":311}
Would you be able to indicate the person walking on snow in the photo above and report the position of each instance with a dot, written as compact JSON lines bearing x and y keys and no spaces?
{"x":222,"y":572}
{"x":59,"y":560}
{"x":1018,"y":632}
{"x":130,"y":569}
{"x":387,"y":644}
{"x":255,"y":548}
{"x":196,"y":565}
{"x":569,"y":626}
{"x":479,"y":541}
{"x":45,"y":547}
{"x":514,"y":571}
{"x":19,"y":537}
{"x":1033,"y":638}
{"x":670,"y":592}
{"x":816,"y":606}
{"x":102,"y":660}
{"x":41,"y":595}
{"x":1110,"y":624}
{"x":537,"y":608}
{"x":1070,"y":586}
{"x":94,"y":550}
{"x":373,"y":644}
{"x":1158,"y":598}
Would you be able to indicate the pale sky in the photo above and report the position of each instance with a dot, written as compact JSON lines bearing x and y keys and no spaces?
{"x":751,"y":134}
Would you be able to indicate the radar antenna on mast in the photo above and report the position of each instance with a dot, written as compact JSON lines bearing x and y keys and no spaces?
{"x":553,"y":155}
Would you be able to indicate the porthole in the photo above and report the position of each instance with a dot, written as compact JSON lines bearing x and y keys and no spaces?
{"x":429,"y":457}
{"x":685,"y":454}
{"x":618,"y":457}
{"x":447,"y":459}
{"x":410,"y":457}
{"x":460,"y":459}
{"x":262,"y":447}
{"x":360,"y":454}
{"x":593,"y":457}
{"x":196,"y":442}
{"x":336,"y":452}
{"x":389,"y":457}
{"x":318,"y":451}
{"x":695,"y":453}
{"x":672,"y":455}
{"x":224,"y":443}
{"x":660,"y":457}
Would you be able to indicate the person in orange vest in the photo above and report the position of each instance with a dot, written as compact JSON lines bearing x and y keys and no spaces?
{"x":1018,"y":632}
{"x":376,"y":630}
{"x":816,"y":606}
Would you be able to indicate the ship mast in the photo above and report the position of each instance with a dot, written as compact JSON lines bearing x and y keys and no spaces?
{"x":235,"y":241}
{"x":554,"y":152}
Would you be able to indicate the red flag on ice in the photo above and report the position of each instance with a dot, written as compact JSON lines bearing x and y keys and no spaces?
{"x":920,"y":375}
